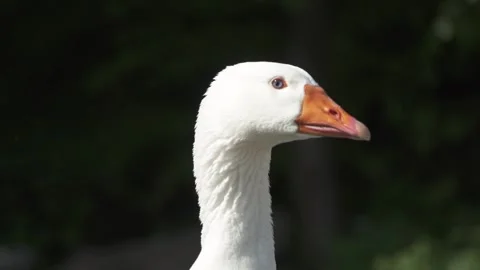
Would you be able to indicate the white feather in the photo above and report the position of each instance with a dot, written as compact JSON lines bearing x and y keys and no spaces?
{"x":240,"y":119}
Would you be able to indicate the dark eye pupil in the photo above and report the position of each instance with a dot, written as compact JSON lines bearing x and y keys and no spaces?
{"x":277,"y":83}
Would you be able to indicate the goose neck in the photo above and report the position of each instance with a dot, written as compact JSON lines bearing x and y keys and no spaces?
{"x":235,"y":207}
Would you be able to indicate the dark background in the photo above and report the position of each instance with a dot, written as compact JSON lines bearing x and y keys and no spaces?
{"x":98,"y":101}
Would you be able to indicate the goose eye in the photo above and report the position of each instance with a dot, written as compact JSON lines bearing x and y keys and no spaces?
{"x":278,"y":83}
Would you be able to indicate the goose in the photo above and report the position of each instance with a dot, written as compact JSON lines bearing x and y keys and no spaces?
{"x":248,"y":109}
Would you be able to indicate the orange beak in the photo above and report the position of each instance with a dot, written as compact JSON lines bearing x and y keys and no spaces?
{"x":321,"y":116}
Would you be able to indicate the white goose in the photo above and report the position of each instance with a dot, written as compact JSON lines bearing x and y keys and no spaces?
{"x":247,"y":110}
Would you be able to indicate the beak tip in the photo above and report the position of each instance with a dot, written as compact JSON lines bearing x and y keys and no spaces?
{"x":363,"y":132}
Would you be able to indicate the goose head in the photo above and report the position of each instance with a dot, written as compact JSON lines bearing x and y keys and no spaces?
{"x":273,"y":102}
{"x":248,"y":109}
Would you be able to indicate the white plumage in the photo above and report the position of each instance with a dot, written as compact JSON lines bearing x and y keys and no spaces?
{"x":247,"y":110}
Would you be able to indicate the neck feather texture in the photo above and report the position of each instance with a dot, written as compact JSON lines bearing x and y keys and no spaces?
{"x":235,"y":206}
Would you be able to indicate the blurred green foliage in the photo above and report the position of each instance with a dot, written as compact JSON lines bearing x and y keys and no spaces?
{"x":458,"y":252}
{"x":99,"y":99}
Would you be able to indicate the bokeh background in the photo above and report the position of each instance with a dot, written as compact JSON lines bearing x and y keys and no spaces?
{"x":98,"y":101}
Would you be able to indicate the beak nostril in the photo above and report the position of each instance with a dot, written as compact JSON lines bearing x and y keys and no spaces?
{"x":334,"y":113}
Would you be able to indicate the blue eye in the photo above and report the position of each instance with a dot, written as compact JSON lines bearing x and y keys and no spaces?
{"x":278,"y":83}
